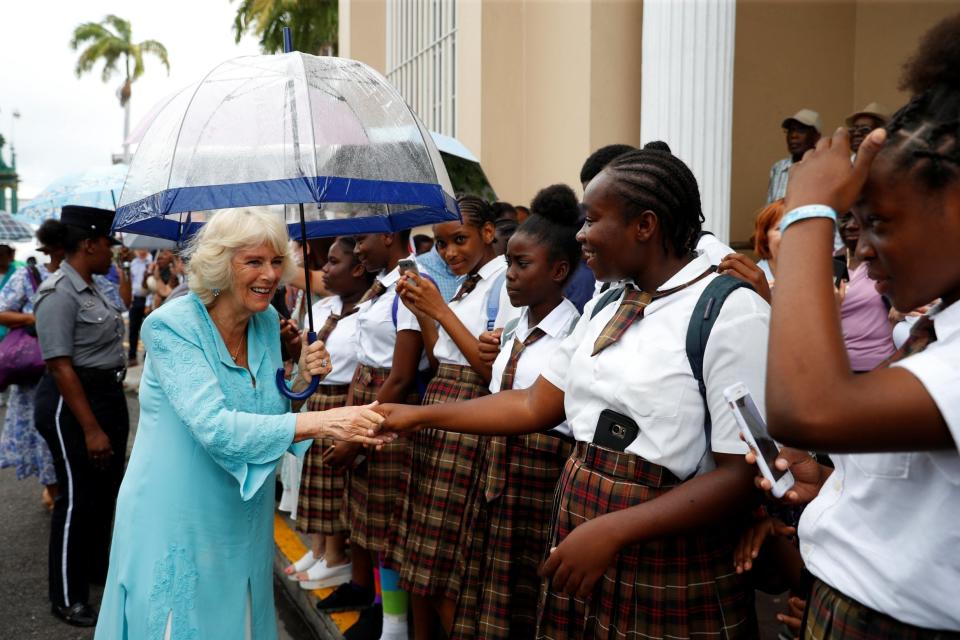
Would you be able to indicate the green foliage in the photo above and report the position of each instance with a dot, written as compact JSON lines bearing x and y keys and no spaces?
{"x":111,"y":41}
{"x":313,"y":24}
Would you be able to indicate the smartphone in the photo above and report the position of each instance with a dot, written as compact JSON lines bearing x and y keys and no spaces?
{"x":615,"y":431}
{"x":754,"y":430}
{"x":406,"y":265}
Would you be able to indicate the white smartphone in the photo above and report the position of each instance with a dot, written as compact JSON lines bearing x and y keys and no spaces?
{"x":754,"y":430}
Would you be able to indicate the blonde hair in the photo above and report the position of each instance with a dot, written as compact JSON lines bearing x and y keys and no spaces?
{"x":211,"y":251}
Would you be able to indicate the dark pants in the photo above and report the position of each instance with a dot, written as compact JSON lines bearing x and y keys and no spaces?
{"x":137,"y":311}
{"x":82,"y":518}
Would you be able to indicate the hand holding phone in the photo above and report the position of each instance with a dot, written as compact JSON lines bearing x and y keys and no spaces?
{"x":408,"y":265}
{"x":755,"y":434}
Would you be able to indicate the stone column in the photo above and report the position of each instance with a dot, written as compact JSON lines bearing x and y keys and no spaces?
{"x":687,"y":93}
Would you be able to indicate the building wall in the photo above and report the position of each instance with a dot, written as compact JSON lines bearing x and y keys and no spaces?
{"x":363,"y":32}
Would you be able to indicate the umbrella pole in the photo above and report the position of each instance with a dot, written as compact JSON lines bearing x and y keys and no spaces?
{"x":306,"y":270}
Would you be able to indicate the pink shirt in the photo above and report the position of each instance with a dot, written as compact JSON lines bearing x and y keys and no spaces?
{"x":866,"y":327}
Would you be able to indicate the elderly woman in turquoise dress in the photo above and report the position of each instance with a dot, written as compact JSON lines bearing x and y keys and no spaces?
{"x":193,"y":536}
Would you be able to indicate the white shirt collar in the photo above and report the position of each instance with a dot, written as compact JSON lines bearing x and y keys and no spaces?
{"x":492,"y":268}
{"x":388,"y":279}
{"x":946,"y":321}
{"x":554,"y":324}
{"x":692,"y":269}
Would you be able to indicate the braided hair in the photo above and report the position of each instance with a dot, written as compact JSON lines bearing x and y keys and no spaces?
{"x":553,"y":224}
{"x":476,"y":211}
{"x":925,"y":133}
{"x":654,"y":179}
{"x":601,"y":158}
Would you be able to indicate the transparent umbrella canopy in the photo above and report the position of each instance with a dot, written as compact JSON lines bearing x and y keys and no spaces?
{"x":287,"y":130}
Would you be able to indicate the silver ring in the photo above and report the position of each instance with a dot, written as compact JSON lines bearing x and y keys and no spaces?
{"x":324,"y":363}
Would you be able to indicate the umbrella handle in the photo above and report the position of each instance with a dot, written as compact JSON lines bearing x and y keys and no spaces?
{"x":311,"y":388}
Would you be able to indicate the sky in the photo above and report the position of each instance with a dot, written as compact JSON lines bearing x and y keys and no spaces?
{"x":67,"y":124}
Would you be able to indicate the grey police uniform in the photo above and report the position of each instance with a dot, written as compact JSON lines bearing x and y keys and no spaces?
{"x":76,"y":320}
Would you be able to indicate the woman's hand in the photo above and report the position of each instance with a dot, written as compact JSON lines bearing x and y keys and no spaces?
{"x":290,"y":338}
{"x":793,"y":616}
{"x":352,"y":424}
{"x":741,"y":267}
{"x":808,"y":475}
{"x":490,"y":345}
{"x":98,"y":447}
{"x":748,"y":547}
{"x":826,"y":175}
{"x":314,"y":360}
{"x":341,"y":455}
{"x":581,"y":559}
{"x":399,"y":418}
{"x":421,"y":296}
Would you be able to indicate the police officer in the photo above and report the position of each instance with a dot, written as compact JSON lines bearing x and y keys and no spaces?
{"x":81,"y":410}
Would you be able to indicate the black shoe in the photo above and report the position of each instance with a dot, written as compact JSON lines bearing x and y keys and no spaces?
{"x":347,"y":596}
{"x":368,"y":627}
{"x":79,"y":615}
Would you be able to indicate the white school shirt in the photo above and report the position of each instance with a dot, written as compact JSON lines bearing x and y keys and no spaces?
{"x":646,"y":374}
{"x":342,"y":343}
{"x":558,"y":324}
{"x":377,"y":335}
{"x":472,"y":312}
{"x":885,"y":528}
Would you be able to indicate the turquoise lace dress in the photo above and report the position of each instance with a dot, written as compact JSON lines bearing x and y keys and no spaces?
{"x":193,"y":538}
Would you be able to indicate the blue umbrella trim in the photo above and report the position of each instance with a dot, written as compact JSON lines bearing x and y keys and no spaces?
{"x":146,"y":215}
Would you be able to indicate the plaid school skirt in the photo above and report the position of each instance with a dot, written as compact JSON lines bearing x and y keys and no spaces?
{"x":830,"y":615}
{"x":436,"y":514}
{"x":498,"y":599}
{"x":321,"y":486}
{"x":683,"y":586}
{"x":375,"y":486}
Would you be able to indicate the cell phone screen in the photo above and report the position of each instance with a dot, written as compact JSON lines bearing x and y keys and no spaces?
{"x":758,"y":429}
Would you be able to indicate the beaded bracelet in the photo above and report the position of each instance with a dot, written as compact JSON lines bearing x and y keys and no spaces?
{"x":805,"y":213}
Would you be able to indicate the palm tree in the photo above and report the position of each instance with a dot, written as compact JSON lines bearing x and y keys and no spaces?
{"x":313,"y":24}
{"x":110,"y":40}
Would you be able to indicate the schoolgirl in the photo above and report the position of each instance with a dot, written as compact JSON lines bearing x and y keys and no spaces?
{"x":434,"y":519}
{"x":321,"y":486}
{"x":648,"y":507}
{"x":880,"y":537}
{"x":389,"y":355}
{"x":510,"y":534}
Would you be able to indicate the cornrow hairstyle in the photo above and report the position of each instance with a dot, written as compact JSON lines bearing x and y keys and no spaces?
{"x":925,"y":133}
{"x":654,"y":179}
{"x":554,"y":213}
{"x":348,"y":244}
{"x":476,"y":211}
{"x":503,"y":210}
{"x":601,"y":158}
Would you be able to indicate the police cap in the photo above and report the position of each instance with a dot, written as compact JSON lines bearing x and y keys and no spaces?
{"x":94,"y":222}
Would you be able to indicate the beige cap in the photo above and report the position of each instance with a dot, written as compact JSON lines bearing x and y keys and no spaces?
{"x":808,"y":117}
{"x":874,"y":109}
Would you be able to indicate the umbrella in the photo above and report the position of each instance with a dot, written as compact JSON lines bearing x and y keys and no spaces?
{"x":13,"y":230}
{"x":138,"y":241}
{"x":94,"y":187}
{"x":327,"y":141}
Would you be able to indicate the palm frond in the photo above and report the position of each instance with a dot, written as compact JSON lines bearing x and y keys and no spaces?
{"x":153,"y":47}
{"x":88,"y":31}
{"x":121,"y":26}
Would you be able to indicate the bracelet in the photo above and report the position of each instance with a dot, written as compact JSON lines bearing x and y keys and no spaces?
{"x":805,"y":213}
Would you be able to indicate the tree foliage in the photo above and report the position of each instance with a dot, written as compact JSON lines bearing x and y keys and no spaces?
{"x":111,"y":41}
{"x":313,"y":24}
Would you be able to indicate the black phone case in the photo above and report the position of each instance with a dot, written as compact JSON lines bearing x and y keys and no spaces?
{"x":615,"y":431}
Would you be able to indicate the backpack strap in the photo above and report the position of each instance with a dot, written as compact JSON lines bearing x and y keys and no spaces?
{"x":493,"y":300}
{"x":609,"y":296}
{"x":395,"y":308}
{"x":705,"y":315}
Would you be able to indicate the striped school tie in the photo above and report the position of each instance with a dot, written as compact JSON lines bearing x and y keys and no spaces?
{"x":922,"y":335}
{"x":631,"y":309}
{"x":468,"y":285}
{"x":510,"y":371}
{"x":375,"y":291}
{"x":331,"y":323}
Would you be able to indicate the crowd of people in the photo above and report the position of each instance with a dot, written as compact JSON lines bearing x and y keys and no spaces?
{"x":520,"y":427}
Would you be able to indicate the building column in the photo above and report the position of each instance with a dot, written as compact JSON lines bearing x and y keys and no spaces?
{"x":687,"y":93}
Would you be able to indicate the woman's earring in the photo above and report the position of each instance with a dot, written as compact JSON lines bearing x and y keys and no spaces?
{"x":216,"y":292}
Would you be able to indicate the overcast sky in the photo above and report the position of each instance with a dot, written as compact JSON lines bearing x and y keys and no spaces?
{"x":67,"y":124}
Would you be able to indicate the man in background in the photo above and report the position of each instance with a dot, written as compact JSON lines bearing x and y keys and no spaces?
{"x":139,"y":267}
{"x":802,"y":131}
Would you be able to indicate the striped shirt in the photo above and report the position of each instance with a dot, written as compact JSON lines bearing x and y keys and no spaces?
{"x":778,"y":179}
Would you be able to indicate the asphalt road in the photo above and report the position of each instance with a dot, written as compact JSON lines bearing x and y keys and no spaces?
{"x":24,"y":534}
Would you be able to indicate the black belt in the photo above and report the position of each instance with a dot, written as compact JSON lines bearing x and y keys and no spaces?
{"x":116,"y":375}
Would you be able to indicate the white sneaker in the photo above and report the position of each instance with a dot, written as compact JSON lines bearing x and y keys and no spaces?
{"x":304,"y":563}
{"x":320,"y":576}
{"x":394,"y":627}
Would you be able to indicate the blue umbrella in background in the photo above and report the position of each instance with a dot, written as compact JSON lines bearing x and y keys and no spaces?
{"x":327,"y":142}
{"x":12,"y":230}
{"x":95,"y":187}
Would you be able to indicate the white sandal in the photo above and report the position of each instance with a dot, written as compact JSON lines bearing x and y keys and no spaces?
{"x":320,"y":576}
{"x":304,"y":563}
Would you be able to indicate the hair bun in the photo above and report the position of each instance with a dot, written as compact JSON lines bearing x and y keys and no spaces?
{"x":558,"y":204}
{"x":937,"y":59}
{"x":657,"y":145}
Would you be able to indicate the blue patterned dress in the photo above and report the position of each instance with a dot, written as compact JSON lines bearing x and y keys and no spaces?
{"x":21,"y":446}
{"x":192,"y":551}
